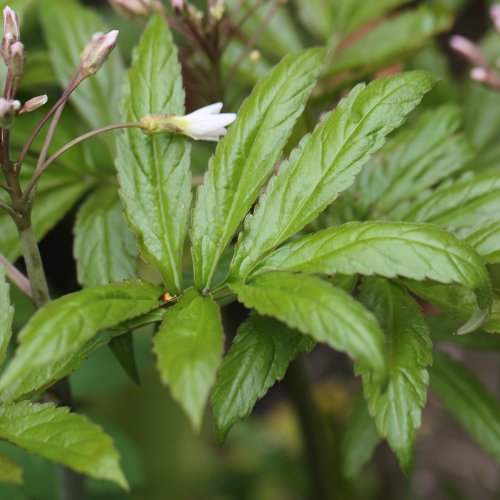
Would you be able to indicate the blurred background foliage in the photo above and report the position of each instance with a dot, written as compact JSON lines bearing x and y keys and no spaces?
{"x":263,"y":458}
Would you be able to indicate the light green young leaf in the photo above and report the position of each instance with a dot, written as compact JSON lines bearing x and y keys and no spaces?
{"x":325,"y":163}
{"x":62,"y":437}
{"x":154,"y":170}
{"x":189,"y":346}
{"x":468,"y":400}
{"x":58,"y":191}
{"x":68,"y":27}
{"x":245,"y":158}
{"x":485,"y":240}
{"x":10,"y":472}
{"x":64,"y":325}
{"x":359,"y":439}
{"x":104,"y":247}
{"x":470,"y":201}
{"x":320,"y":310}
{"x":390,"y":249}
{"x":259,"y":357}
{"x":6,"y":315}
{"x":391,"y":40}
{"x":416,"y":159}
{"x":397,"y":405}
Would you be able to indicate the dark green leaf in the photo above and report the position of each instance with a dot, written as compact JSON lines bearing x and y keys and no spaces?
{"x":189,"y":346}
{"x":465,"y":396}
{"x":104,"y":247}
{"x":390,"y":249}
{"x":318,"y":309}
{"x":6,"y":315}
{"x":122,"y":347}
{"x":259,"y":356}
{"x":326,"y":162}
{"x":10,"y":472}
{"x":397,"y":406}
{"x":245,"y":158}
{"x":359,"y":440}
{"x":154,"y":171}
{"x":63,"y":326}
{"x":63,"y":437}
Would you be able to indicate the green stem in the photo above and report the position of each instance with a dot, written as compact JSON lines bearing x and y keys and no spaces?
{"x":317,"y":439}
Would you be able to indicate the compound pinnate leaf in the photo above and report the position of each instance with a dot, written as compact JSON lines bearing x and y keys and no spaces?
{"x":397,"y":405}
{"x":189,"y":346}
{"x":63,"y":326}
{"x":62,"y":437}
{"x":154,"y":170}
{"x":466,"y":397}
{"x":325,"y":163}
{"x":245,"y":158}
{"x":259,"y":356}
{"x":318,"y":309}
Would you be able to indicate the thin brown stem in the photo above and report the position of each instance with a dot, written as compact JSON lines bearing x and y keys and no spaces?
{"x":16,"y":276}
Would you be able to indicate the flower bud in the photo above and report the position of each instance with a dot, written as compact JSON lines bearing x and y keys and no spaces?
{"x":469,"y":50}
{"x":495,"y":15}
{"x":16,"y":60}
{"x":206,"y":124}
{"x":33,"y":104}
{"x":177,"y":5}
{"x":255,"y":56}
{"x":8,"y":111}
{"x":133,"y":8}
{"x":97,"y":51}
{"x":11,"y":24}
{"x":217,"y":11}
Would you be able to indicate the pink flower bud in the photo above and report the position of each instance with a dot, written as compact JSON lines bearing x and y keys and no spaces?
{"x":97,"y":51}
{"x":495,"y":15}
{"x":33,"y":104}
{"x":8,"y":111}
{"x":11,"y":24}
{"x":469,"y":50}
{"x":177,"y":5}
{"x":16,"y":60}
{"x":133,"y":8}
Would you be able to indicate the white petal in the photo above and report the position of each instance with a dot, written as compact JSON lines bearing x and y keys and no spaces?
{"x":211,"y":109}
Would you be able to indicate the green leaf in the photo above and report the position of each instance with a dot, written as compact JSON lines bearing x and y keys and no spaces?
{"x":6,"y":315}
{"x":246,"y":157}
{"x":470,"y":201}
{"x":326,"y":162}
{"x":154,"y":171}
{"x":259,"y":356}
{"x":10,"y":472}
{"x":104,"y":247}
{"x":189,"y":346}
{"x":470,"y":402}
{"x":359,"y":439}
{"x":318,"y":309}
{"x":485,"y":240}
{"x":416,"y":159}
{"x":68,"y":27}
{"x":390,"y":249}
{"x":397,"y":406}
{"x":62,"y":437}
{"x":58,"y":191}
{"x":391,"y":41}
{"x":64,"y":325}
{"x":122,"y":347}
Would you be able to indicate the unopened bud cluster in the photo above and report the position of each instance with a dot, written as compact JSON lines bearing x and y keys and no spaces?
{"x":97,"y":51}
{"x":11,"y":48}
{"x":482,"y":71}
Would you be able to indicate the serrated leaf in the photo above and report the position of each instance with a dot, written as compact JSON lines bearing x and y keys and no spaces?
{"x":318,"y":309}
{"x":63,"y":326}
{"x":326,"y":162}
{"x":104,"y":247}
{"x":62,"y":437}
{"x":68,"y":27}
{"x":245,"y":158}
{"x":6,"y":315}
{"x":468,"y":400}
{"x":10,"y":472}
{"x":470,"y":201}
{"x":189,"y":346}
{"x":154,"y":171}
{"x":397,"y":406}
{"x":485,"y":240}
{"x":420,"y":156}
{"x":390,"y":249}
{"x":391,"y":41}
{"x":359,"y":440}
{"x":259,"y":357}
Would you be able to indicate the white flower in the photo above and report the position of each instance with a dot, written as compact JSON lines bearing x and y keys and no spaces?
{"x":205,"y":124}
